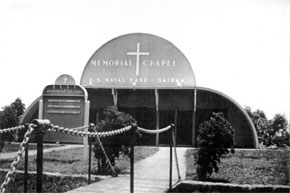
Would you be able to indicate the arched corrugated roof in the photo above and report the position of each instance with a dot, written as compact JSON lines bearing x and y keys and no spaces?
{"x":30,"y":111}
{"x":236,"y":104}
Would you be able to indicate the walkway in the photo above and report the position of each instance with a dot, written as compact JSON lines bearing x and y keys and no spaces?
{"x":151,"y":175}
{"x":12,"y":155}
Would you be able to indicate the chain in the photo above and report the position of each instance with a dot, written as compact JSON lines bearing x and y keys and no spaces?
{"x":154,"y":131}
{"x":82,"y":127}
{"x":73,"y":131}
{"x":176,"y":158}
{"x":107,"y":158}
{"x":12,"y":129}
{"x":76,"y":128}
{"x":10,"y":174}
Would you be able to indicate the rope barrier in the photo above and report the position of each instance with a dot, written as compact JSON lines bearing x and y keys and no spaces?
{"x":173,"y":140}
{"x":12,"y":129}
{"x":155,"y":131}
{"x":107,"y":158}
{"x":175,"y":155}
{"x":82,"y":127}
{"x":11,"y":172}
{"x":75,"y":132}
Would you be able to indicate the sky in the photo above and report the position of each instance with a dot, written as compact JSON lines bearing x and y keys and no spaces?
{"x":238,"y":47}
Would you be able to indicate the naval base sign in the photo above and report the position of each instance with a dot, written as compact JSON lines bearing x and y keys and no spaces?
{"x":139,"y":61}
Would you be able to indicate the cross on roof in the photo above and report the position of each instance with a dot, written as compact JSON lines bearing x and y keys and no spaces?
{"x":138,"y":54}
{"x":65,"y":79}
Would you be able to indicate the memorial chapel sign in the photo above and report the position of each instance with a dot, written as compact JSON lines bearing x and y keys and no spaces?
{"x":138,"y":61}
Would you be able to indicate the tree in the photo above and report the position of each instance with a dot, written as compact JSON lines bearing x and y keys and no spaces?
{"x":269,"y":132}
{"x":215,"y":136}
{"x":279,"y":123}
{"x":115,"y":144}
{"x":281,"y":135}
{"x":263,"y":126}
{"x":10,"y":118}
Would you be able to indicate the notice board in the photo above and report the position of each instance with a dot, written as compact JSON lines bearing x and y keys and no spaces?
{"x":66,"y":106}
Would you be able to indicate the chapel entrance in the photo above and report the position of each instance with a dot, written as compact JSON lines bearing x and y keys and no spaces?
{"x":146,"y":118}
{"x":183,"y":126}
{"x":166,"y":117}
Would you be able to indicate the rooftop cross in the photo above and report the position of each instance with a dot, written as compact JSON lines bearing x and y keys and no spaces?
{"x":65,"y":79}
{"x":138,"y":54}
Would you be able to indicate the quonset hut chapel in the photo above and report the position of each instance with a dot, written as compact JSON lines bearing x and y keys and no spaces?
{"x":148,"y":77}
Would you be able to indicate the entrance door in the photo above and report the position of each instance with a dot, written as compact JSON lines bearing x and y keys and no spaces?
{"x":166,"y":117}
{"x":184,"y":128}
{"x":146,"y":119}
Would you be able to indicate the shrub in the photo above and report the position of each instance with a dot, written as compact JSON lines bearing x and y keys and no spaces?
{"x":115,"y":144}
{"x":215,"y":136}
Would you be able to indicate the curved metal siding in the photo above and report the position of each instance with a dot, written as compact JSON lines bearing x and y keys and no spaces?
{"x":245,"y":133}
{"x":31,"y":112}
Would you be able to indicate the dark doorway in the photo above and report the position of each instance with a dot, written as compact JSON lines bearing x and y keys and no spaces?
{"x":146,"y":118}
{"x":166,"y":117}
{"x":184,"y":128}
{"x":96,"y":115}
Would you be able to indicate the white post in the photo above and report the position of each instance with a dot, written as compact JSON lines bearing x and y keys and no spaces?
{"x":157,"y":115}
{"x":86,"y":122}
{"x":193,"y":119}
{"x":40,"y":109}
{"x":115,"y":97}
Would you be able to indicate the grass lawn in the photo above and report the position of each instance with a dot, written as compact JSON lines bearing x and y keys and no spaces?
{"x":66,"y":162}
{"x":32,"y":146}
{"x":248,"y":167}
{"x":51,"y":184}
{"x":71,"y":161}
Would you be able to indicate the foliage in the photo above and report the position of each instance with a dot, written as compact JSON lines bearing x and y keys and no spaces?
{"x":11,"y":118}
{"x":279,"y":122}
{"x":281,"y":137}
{"x":248,"y":166}
{"x":214,"y":138}
{"x":270,"y":131}
{"x":113,"y":145}
{"x":262,"y":125}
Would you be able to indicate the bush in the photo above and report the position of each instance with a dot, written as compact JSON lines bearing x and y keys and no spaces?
{"x":247,"y":166}
{"x":214,"y":138}
{"x":115,"y":144}
{"x":10,"y":117}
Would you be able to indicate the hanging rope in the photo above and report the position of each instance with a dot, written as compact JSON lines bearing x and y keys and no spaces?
{"x":173,"y":140}
{"x":107,"y":158}
{"x":175,"y":155}
{"x":10,"y":174}
{"x":75,"y":132}
{"x":81,"y":128}
{"x":155,"y":131}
